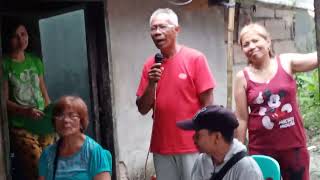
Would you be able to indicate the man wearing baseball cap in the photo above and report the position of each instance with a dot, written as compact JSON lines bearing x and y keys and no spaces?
{"x":222,"y":156}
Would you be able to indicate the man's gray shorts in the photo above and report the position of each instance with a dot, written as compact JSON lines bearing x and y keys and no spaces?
{"x":174,"y":167}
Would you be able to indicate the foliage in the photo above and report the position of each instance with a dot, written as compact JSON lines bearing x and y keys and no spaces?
{"x":309,"y":99}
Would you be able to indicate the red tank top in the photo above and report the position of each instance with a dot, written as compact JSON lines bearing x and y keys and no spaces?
{"x":274,"y":119}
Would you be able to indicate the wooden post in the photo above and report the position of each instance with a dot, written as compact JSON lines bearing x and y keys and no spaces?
{"x":230,"y":53}
{"x":4,"y":129}
{"x":317,"y":25}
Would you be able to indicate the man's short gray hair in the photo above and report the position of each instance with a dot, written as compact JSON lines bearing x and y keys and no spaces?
{"x":173,"y":18}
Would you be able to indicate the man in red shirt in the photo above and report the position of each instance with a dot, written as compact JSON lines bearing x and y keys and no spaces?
{"x":175,"y":90}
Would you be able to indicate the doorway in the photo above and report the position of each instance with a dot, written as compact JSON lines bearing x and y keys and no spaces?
{"x":71,"y":39}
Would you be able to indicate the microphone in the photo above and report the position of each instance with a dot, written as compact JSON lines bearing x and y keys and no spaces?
{"x":158,"y":58}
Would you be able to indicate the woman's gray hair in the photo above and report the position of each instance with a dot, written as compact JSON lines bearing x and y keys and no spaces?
{"x":173,"y":18}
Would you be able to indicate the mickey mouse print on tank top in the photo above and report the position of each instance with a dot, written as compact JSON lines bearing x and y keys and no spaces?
{"x":274,"y":112}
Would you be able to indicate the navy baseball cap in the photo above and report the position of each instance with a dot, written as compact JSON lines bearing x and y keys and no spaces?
{"x":213,"y":117}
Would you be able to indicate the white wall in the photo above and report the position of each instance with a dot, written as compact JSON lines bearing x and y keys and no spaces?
{"x":131,"y":45}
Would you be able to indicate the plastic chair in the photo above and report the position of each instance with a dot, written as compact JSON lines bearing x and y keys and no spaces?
{"x":270,"y":167}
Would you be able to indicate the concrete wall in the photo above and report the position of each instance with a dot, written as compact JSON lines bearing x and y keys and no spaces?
{"x":131,"y":45}
{"x":305,"y":4}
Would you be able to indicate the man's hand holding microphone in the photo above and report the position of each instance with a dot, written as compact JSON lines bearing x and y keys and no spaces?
{"x":147,"y":100}
{"x":155,"y":71}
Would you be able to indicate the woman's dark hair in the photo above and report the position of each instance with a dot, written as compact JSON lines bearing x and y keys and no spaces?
{"x":9,"y":28}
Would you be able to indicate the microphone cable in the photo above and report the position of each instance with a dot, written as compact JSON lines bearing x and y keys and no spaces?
{"x":158,"y":59}
{"x":154,"y":112}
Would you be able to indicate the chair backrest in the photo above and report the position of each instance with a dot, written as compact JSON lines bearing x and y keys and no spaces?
{"x":270,"y":167}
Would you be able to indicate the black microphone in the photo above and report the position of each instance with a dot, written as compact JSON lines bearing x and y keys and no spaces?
{"x":158,"y":58}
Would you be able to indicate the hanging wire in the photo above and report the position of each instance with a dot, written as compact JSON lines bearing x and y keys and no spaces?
{"x":177,"y":3}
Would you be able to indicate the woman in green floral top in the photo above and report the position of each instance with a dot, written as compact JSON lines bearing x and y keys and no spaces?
{"x":27,"y":99}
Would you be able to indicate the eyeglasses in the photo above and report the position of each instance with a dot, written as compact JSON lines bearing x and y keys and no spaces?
{"x":62,"y":116}
{"x":161,"y":28}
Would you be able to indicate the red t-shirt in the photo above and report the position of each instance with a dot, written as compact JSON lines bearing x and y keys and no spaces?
{"x":274,"y":120}
{"x":184,"y":77}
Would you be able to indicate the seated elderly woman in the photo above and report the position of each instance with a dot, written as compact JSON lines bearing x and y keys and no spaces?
{"x":75,"y":156}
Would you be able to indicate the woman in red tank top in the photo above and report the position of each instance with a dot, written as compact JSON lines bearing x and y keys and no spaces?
{"x":266,"y":103}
